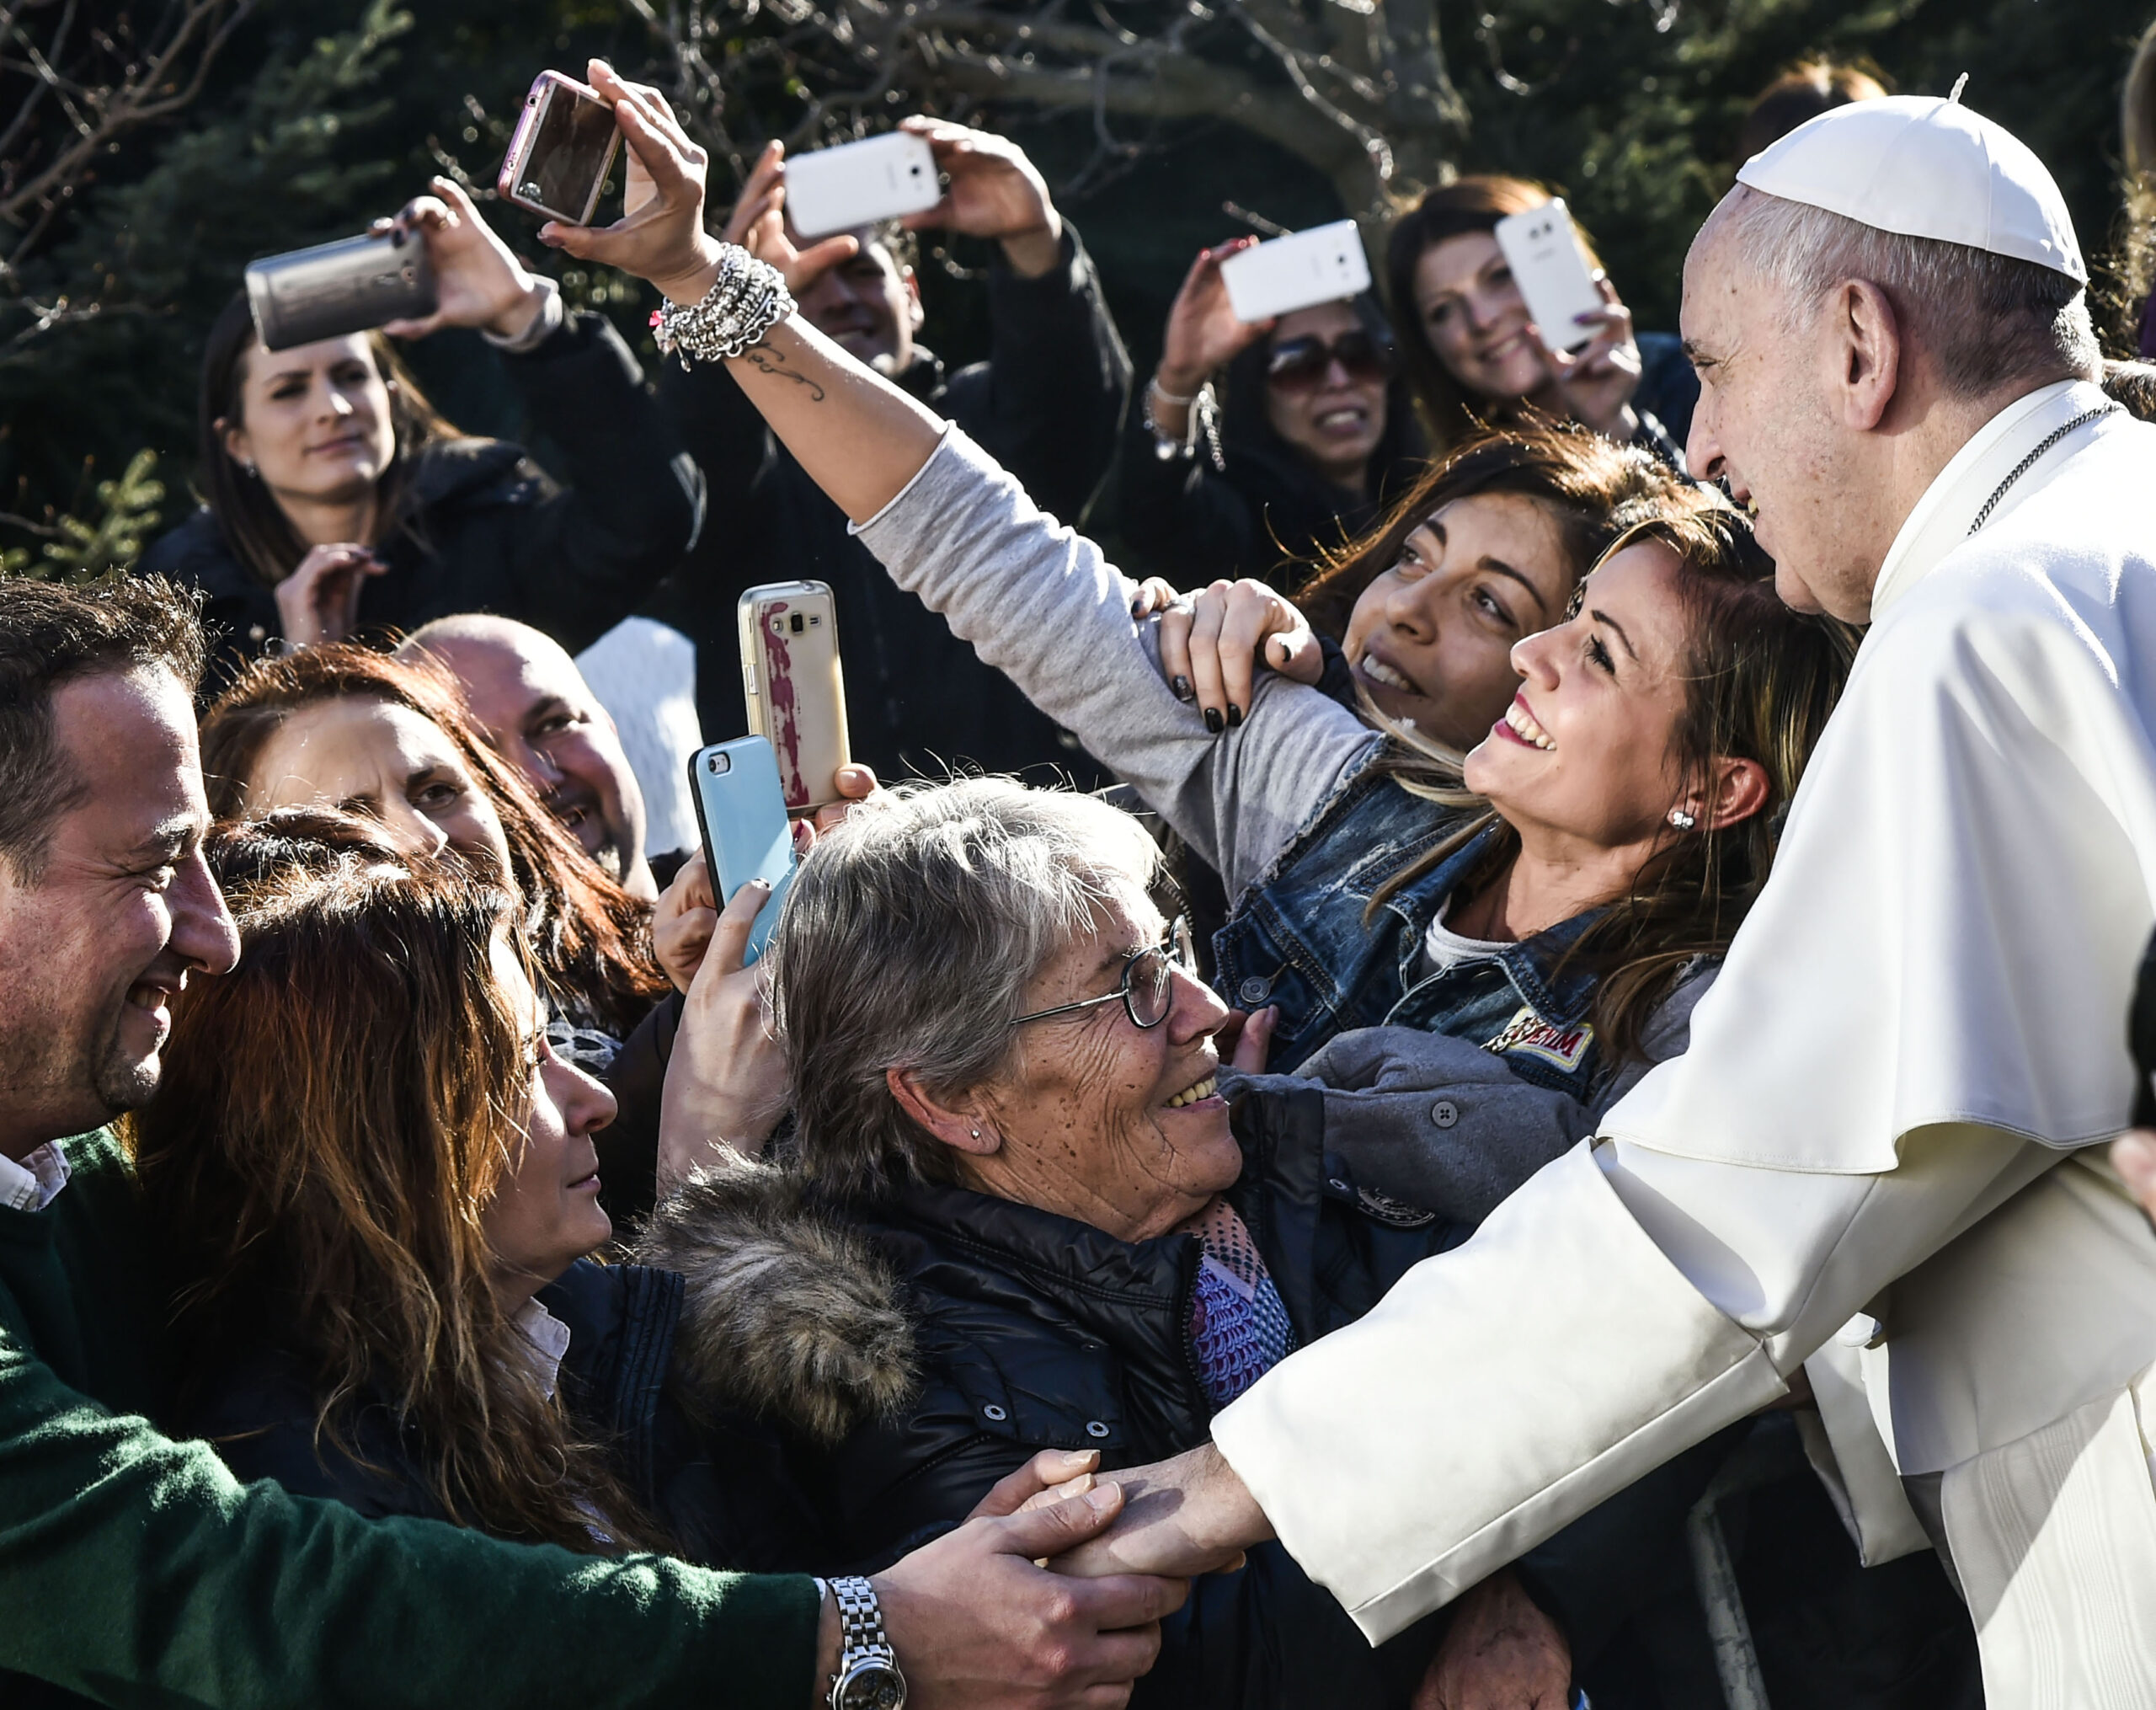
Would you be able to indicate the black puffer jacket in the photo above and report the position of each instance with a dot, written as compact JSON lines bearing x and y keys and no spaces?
{"x":489,"y":531}
{"x":933,"y":1343}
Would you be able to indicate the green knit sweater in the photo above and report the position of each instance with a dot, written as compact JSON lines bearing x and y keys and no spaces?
{"x":136,"y":1571}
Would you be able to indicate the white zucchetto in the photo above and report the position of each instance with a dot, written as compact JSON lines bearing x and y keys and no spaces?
{"x":1924,"y":168}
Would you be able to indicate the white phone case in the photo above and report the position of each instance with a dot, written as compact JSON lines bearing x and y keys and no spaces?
{"x":857,"y":183}
{"x":1553,"y":272}
{"x":1322,"y":264}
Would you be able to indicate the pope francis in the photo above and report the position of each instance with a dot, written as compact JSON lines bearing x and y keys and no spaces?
{"x":1879,"y":1159}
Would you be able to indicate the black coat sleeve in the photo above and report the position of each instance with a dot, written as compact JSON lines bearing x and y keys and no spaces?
{"x":722,"y":431}
{"x":631,"y":501}
{"x":1182,"y":518}
{"x":628,"y":1146}
{"x":1048,"y":402}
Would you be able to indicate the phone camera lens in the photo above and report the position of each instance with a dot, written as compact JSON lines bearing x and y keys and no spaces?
{"x":796,"y":624}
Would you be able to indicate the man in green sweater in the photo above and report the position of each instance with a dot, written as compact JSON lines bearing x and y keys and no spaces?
{"x":135,"y":1570}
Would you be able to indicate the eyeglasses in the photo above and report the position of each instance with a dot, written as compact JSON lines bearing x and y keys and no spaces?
{"x":1147,"y":988}
{"x":1300,"y":365}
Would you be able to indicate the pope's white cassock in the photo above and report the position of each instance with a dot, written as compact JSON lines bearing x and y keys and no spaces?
{"x":1879,"y":1155}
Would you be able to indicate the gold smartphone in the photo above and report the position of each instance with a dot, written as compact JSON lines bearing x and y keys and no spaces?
{"x":795,"y":691}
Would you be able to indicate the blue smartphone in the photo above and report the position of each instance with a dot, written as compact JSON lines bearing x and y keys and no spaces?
{"x":741,"y":814}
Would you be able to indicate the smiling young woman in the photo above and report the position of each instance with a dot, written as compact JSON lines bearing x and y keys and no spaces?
{"x":1472,"y":354}
{"x":337,"y":499}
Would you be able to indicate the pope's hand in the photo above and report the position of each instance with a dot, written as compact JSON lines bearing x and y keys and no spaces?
{"x":2133,"y":1156}
{"x":1188,"y":1515}
{"x":1500,"y":1652}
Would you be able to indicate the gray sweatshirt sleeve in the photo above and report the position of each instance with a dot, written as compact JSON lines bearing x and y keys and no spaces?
{"x":1039,"y":603}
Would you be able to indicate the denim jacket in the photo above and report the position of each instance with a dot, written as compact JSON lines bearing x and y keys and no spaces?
{"x":1297,"y":939}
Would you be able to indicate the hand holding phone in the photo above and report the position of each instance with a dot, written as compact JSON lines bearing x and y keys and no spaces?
{"x":746,"y":834}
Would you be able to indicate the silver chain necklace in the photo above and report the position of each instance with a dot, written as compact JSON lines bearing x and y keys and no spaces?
{"x":2029,"y":462}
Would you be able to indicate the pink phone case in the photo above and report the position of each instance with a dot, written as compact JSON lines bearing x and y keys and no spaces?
{"x":508,"y":184}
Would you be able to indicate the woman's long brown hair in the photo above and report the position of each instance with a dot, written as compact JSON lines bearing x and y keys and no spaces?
{"x":334,"y":1118}
{"x":1474,"y":203}
{"x":255,"y":527}
{"x":591,"y":940}
{"x":1760,"y":683}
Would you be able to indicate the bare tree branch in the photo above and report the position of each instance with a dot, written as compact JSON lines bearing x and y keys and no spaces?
{"x":105,"y":88}
{"x":1356,"y":88}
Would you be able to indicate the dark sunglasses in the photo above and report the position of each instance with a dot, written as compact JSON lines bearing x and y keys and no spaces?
{"x":1300,"y":365}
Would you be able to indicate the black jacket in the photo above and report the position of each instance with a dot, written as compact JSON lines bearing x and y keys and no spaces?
{"x":1252,"y":507}
{"x":1045,"y":405}
{"x":490,"y":531}
{"x":918,"y":1350}
{"x":258,"y":1407}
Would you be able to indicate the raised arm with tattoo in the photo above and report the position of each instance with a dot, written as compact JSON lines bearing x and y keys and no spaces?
{"x":862,"y":455}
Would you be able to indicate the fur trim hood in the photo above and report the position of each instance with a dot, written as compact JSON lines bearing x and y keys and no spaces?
{"x":786,"y":1314}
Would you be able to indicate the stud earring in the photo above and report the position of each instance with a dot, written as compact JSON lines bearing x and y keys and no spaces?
{"x":1683,"y":820}
{"x":976,"y":1134}
{"x":247,"y":465}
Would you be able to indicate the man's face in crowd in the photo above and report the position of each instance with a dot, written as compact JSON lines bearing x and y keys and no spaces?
{"x":539,"y":714}
{"x":122,"y":912}
{"x":869,"y":305}
{"x":1765,"y":424}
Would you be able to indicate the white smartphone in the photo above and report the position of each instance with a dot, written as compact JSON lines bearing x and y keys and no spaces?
{"x":794,"y":688}
{"x":857,"y":183}
{"x":1553,"y":272}
{"x":1322,"y":264}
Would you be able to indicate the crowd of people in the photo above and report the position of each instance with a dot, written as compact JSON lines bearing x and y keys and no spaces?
{"x":1560,"y":1036}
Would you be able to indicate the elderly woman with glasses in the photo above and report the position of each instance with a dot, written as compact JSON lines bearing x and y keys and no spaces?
{"x":1018,"y":1215}
{"x":1257,"y":445}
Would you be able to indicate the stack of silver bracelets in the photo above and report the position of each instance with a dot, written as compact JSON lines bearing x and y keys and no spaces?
{"x":746,"y":300}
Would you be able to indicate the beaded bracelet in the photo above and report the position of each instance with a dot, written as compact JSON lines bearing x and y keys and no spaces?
{"x":746,"y":300}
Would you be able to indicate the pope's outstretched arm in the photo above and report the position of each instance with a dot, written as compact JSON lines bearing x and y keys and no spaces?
{"x":1621,"y":1306}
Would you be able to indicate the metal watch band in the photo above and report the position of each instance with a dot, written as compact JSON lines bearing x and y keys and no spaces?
{"x":861,"y":1641}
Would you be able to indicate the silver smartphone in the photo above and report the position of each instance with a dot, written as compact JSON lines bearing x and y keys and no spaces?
{"x":1554,"y":276}
{"x":565,"y":148}
{"x":858,"y":184}
{"x":1323,"y":265}
{"x":332,"y":289}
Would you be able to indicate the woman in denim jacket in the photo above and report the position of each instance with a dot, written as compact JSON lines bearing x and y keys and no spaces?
{"x":1630,"y":786}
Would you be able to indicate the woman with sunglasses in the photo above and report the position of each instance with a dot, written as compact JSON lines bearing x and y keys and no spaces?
{"x":1017,"y":1214}
{"x":1292,"y":450}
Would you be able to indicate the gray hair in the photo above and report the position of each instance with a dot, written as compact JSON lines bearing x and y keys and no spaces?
{"x":908,"y":940}
{"x":1984,"y":319}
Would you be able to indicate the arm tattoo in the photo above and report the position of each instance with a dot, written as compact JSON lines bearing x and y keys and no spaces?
{"x":766,"y":360}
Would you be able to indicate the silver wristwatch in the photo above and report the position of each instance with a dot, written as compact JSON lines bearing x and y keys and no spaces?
{"x":869,"y":1677}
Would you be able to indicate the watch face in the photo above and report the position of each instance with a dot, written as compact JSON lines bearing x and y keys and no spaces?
{"x":871,"y":1684}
